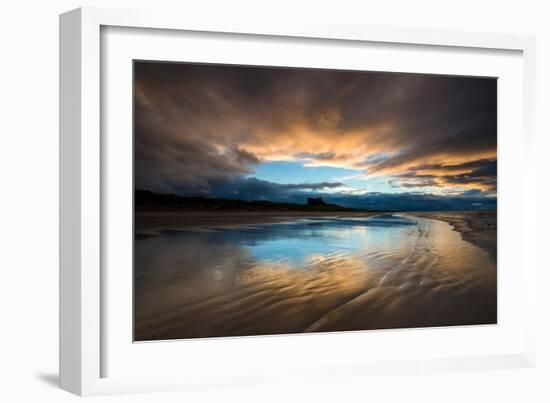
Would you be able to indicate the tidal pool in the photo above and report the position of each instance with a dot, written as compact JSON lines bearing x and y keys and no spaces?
{"x":310,"y":275}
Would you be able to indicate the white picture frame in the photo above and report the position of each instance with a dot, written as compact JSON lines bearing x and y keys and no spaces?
{"x":83,"y":309}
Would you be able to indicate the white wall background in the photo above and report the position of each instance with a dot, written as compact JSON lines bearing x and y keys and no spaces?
{"x":29,"y":201}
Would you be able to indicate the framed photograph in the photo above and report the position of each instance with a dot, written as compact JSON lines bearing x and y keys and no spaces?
{"x":246,"y":202}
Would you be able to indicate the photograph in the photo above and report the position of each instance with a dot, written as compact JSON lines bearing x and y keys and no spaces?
{"x":274,"y":200}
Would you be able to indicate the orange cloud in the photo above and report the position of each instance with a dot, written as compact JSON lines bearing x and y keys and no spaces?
{"x":199,"y":124}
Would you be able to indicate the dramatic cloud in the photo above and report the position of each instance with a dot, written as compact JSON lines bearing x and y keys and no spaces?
{"x":202,"y":129}
{"x":255,"y":189}
{"x":479,"y":175}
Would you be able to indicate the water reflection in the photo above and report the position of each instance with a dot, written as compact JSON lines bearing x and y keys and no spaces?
{"x":310,"y":275}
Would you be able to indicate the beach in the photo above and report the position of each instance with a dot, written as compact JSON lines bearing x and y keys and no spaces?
{"x":477,"y":227}
{"x":214,"y":274}
{"x":151,"y":222}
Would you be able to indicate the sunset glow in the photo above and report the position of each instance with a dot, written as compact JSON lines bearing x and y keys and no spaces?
{"x":219,"y":131}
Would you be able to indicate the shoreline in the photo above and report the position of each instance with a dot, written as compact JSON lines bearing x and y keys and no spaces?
{"x":477,"y":228}
{"x":153,"y":222}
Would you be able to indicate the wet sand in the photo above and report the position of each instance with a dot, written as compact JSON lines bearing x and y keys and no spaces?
{"x":477,"y":227}
{"x":230,"y":274}
{"x":154,"y":222}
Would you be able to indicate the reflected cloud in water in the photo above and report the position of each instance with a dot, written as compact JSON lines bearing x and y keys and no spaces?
{"x":329,"y":274}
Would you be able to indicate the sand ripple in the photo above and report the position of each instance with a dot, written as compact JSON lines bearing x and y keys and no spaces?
{"x":328,"y":277}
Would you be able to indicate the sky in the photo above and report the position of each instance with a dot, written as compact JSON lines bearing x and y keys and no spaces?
{"x":284,"y":134}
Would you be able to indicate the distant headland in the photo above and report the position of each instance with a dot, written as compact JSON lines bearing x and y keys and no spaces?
{"x":147,"y":200}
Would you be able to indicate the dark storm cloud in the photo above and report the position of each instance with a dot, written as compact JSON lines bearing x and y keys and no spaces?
{"x":480,"y":175}
{"x":256,"y":189}
{"x":199,"y":126}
